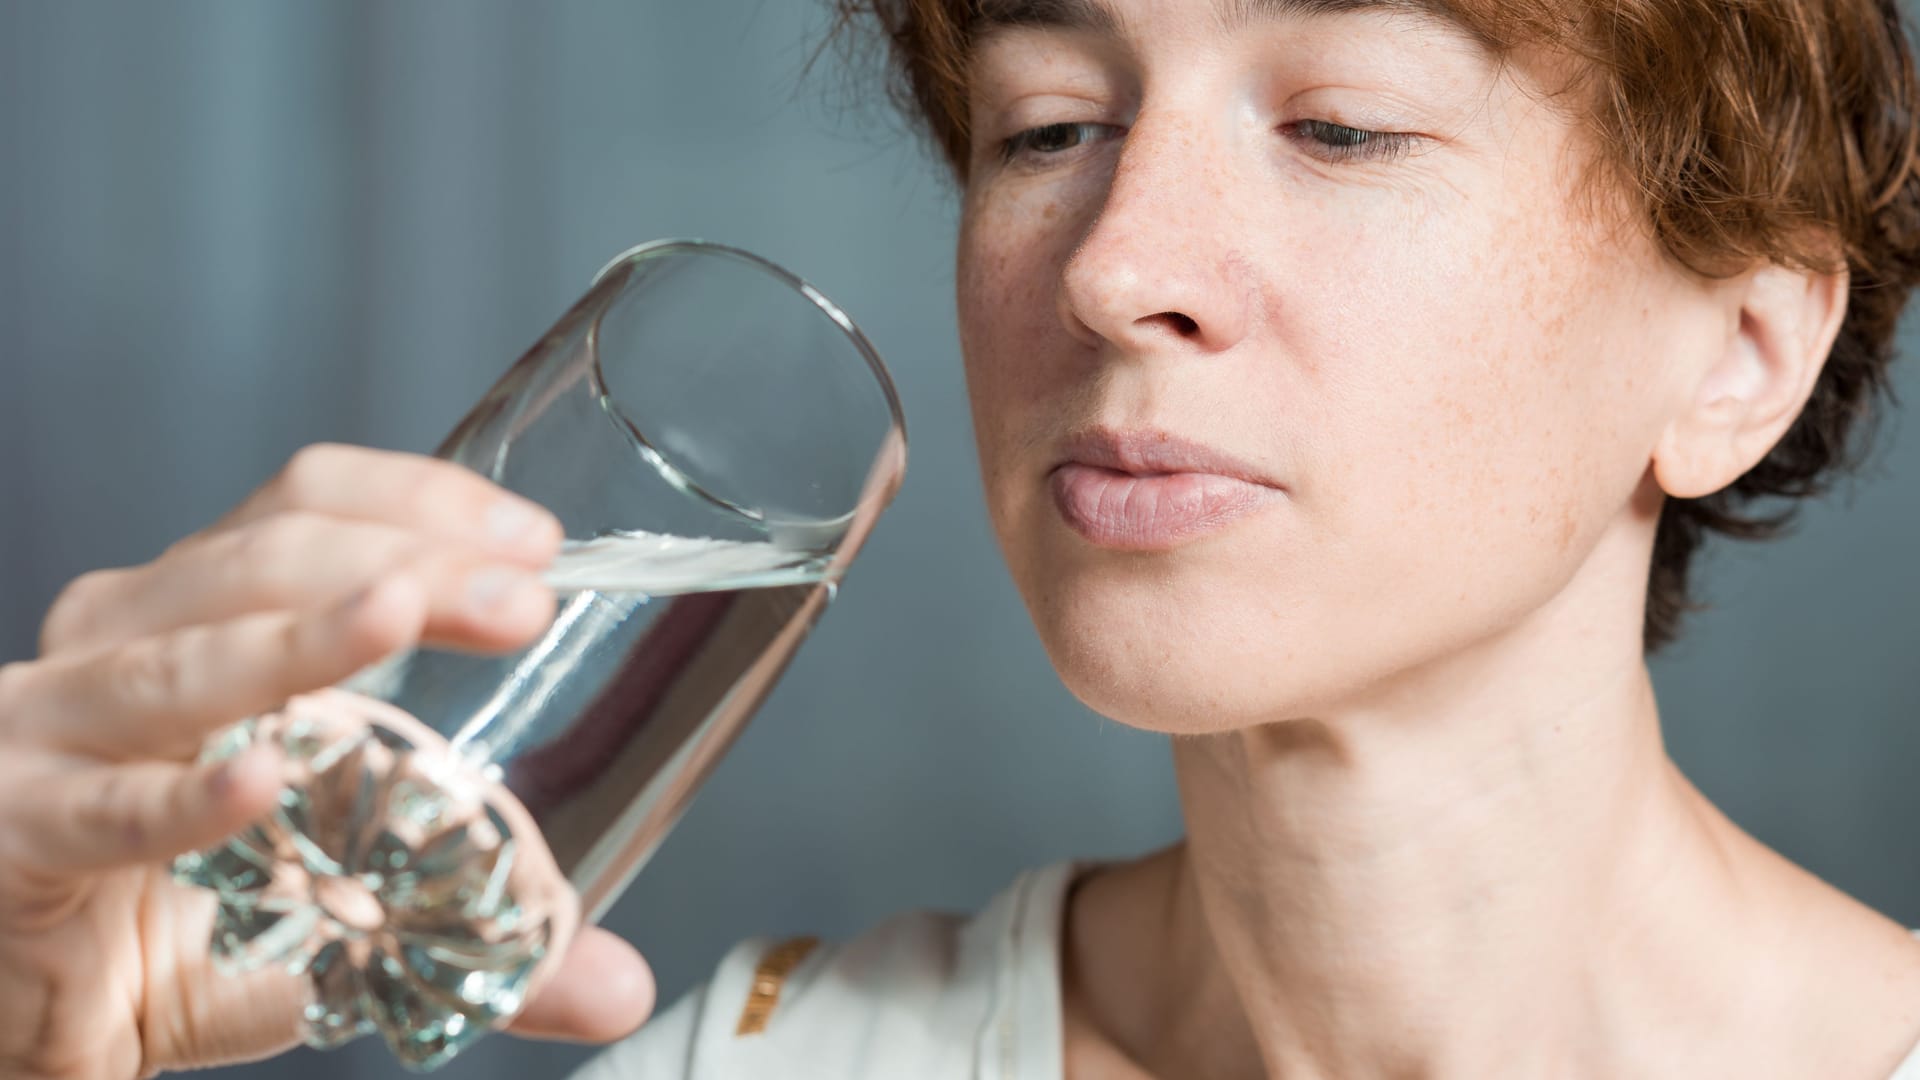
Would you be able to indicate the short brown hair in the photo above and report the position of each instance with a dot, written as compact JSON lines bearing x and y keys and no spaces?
{"x":1751,"y":131}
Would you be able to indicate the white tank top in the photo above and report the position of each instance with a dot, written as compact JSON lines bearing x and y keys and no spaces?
{"x":923,"y":996}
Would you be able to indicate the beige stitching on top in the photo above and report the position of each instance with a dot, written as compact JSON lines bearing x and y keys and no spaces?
{"x":768,"y":978}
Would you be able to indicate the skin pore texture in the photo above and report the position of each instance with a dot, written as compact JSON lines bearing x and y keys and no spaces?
{"x":1358,"y":263}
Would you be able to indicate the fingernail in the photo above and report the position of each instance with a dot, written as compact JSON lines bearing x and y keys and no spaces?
{"x":490,"y":588}
{"x":513,"y":520}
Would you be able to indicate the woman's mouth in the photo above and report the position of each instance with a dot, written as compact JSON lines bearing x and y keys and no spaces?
{"x":1148,"y":491}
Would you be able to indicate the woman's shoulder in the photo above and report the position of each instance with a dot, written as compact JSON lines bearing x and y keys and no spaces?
{"x":924,"y":994}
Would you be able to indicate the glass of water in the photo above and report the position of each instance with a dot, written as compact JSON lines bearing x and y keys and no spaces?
{"x":717,"y":438}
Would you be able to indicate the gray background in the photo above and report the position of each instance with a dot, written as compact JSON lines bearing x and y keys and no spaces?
{"x":229,"y":229}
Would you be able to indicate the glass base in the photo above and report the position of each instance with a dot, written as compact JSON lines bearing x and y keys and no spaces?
{"x":413,"y":890}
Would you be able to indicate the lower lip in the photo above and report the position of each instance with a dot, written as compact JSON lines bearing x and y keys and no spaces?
{"x":1149,"y":513}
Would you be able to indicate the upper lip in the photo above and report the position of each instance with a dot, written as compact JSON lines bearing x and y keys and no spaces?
{"x":1147,"y":452}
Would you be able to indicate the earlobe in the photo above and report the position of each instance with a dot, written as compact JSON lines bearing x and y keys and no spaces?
{"x":1780,"y":330}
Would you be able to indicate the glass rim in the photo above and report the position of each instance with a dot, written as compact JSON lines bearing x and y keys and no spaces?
{"x":834,"y":312}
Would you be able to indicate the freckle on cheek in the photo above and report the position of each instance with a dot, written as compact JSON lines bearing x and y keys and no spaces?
{"x":1568,"y":527}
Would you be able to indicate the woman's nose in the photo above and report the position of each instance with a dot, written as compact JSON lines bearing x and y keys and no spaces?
{"x":1159,"y":268}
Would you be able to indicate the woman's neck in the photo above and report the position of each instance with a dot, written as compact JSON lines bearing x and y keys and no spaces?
{"x":1500,"y":875}
{"x":1395,"y":903}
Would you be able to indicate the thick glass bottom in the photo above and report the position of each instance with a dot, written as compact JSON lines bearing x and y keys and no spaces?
{"x":412,"y":889}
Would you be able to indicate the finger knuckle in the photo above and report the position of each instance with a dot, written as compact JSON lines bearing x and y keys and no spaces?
{"x":107,"y":808}
{"x":310,"y":471}
{"x":435,"y":488}
{"x":13,"y":691}
{"x":189,"y":544}
{"x":295,"y":640}
{"x":149,"y":675}
{"x":268,"y":548}
{"x":74,"y":608}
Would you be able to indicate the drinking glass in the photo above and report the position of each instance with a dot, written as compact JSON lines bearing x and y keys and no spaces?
{"x":717,"y":439}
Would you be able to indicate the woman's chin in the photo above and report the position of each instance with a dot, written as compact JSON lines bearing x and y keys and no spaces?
{"x":1159,"y":687}
{"x":1156,"y":653}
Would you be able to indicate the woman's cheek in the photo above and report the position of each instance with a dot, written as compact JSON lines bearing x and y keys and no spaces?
{"x":1012,"y":341}
{"x":996,"y":302}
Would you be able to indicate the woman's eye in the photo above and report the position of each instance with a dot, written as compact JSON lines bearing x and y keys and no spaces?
{"x":1052,"y":139}
{"x":1341,"y":143}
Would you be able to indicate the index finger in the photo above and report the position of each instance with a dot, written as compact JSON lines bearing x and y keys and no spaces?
{"x":160,"y":697}
{"x":426,"y":495}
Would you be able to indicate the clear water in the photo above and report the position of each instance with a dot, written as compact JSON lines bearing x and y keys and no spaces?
{"x":449,"y":818}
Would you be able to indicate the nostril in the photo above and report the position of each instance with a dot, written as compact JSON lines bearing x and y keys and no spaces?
{"x":1181,"y":324}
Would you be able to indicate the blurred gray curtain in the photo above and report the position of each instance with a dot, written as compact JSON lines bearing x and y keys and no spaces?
{"x":231,"y":228}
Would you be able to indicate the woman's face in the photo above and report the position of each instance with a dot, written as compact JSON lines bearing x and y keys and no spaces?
{"x":1301,"y":355}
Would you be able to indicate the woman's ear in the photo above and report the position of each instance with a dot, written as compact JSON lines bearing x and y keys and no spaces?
{"x":1781,"y":325}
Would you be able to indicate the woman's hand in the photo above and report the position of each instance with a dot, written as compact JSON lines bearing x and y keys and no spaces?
{"x":345,"y":557}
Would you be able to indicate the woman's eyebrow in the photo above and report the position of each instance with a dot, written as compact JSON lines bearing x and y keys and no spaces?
{"x":1090,"y":15}
{"x":1238,"y":13}
{"x":1097,"y":16}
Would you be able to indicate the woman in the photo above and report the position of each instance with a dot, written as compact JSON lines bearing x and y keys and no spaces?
{"x":1353,"y":382}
